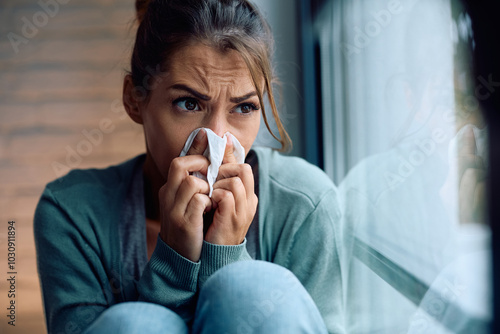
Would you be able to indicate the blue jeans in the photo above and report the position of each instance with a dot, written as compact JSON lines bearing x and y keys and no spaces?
{"x":243,"y":297}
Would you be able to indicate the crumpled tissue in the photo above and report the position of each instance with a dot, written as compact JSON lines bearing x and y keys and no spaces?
{"x":214,"y":153}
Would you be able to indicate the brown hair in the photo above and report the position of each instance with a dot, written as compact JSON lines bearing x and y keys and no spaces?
{"x":141,"y":6}
{"x":167,"y":25}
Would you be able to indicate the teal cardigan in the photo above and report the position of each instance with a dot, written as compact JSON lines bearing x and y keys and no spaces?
{"x":79,"y":260}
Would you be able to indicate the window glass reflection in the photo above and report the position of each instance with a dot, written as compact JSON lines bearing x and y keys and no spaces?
{"x":411,"y":163}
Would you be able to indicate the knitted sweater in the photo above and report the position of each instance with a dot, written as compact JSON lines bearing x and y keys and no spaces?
{"x":79,"y":259}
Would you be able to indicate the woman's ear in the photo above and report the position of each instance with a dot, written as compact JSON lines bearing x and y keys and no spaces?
{"x":130,"y":101}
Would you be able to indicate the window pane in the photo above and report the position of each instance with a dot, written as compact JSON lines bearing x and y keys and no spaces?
{"x":406,"y":142}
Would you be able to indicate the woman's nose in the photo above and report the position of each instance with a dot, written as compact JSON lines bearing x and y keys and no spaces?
{"x":217,"y":122}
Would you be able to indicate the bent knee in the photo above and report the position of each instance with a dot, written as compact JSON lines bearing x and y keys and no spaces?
{"x":259,"y":296}
{"x":128,"y":310}
{"x":253,"y":273}
{"x":129,"y":317}
{"x":253,"y":280}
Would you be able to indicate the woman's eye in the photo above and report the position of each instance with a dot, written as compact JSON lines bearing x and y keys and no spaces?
{"x":188,"y":104}
{"x":246,"y":108}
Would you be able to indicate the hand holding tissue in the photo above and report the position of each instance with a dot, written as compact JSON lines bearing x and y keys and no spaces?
{"x":214,"y":153}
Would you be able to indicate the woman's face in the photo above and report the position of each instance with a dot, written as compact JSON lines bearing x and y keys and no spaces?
{"x":202,"y":88}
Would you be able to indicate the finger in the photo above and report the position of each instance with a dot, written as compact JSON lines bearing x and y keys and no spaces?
{"x":471,"y":178}
{"x":235,"y":186}
{"x":189,"y":187}
{"x":469,"y":161}
{"x":199,"y":204}
{"x":227,"y":228}
{"x":467,"y":142}
{"x":199,"y":144}
{"x":468,"y":183}
{"x":225,"y":203}
{"x":468,"y":192}
{"x":465,"y":195}
{"x":180,"y":168}
{"x":229,"y":157}
{"x":243,"y":171}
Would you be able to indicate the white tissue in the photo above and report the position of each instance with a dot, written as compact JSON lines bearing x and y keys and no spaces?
{"x":214,"y":153}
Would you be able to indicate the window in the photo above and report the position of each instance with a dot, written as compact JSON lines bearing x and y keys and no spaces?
{"x":404,"y":137}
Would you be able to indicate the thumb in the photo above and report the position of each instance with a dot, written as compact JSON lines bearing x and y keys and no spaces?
{"x":199,"y":144}
{"x":229,"y":157}
{"x":467,"y":142}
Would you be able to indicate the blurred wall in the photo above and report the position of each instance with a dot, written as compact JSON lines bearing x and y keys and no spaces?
{"x":60,"y":90}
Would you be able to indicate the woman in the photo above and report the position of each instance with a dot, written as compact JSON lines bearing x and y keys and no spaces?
{"x":142,"y":247}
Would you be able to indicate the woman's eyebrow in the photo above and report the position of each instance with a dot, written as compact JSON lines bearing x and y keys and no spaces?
{"x":242,"y":98}
{"x":207,"y":98}
{"x":191,"y":91}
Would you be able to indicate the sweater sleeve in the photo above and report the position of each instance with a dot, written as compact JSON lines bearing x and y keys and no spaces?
{"x":74,"y":283}
{"x":171,"y":280}
{"x":314,"y":257}
{"x":214,"y":257}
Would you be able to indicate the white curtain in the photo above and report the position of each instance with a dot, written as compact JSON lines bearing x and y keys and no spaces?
{"x":404,"y":139}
